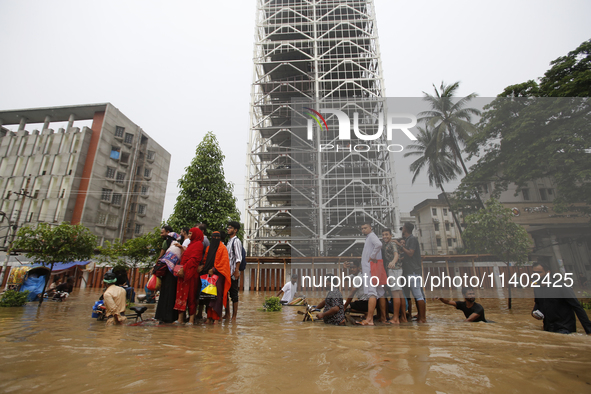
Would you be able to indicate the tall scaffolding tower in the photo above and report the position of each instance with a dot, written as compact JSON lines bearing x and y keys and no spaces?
{"x":311,"y":57}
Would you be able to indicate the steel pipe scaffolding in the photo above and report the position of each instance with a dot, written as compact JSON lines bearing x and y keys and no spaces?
{"x":308,"y":190}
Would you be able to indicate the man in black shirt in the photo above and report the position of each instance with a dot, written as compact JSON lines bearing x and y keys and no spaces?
{"x":558,"y":305}
{"x":473,"y":311}
{"x":411,"y":268}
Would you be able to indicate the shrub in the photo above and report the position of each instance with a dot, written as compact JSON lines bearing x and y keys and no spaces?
{"x":272,"y":304}
{"x":14,"y":298}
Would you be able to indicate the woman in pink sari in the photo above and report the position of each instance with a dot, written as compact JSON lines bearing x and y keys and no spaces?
{"x":189,"y":282}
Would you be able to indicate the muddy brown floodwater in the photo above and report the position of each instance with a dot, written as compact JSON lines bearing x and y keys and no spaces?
{"x":59,"y":348}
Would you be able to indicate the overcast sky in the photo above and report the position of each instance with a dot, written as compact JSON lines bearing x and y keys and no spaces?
{"x":181,"y":68}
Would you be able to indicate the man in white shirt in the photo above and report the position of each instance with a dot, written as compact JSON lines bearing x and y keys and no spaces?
{"x":289,"y":290}
{"x":235,"y":255}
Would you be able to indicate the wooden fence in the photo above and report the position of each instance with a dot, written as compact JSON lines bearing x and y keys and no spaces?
{"x":269,"y":274}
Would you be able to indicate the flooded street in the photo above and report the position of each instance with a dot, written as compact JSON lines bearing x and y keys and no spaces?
{"x":60,"y":348}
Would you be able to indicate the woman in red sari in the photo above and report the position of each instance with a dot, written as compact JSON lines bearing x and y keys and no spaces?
{"x":189,"y":284}
{"x":217,"y":263}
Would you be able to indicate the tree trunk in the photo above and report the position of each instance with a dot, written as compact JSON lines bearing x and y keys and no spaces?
{"x":453,"y":214}
{"x":458,"y":154}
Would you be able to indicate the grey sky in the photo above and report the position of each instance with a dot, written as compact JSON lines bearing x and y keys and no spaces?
{"x":181,"y":68}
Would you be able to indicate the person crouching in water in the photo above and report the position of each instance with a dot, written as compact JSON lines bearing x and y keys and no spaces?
{"x":473,"y":311}
{"x":334,"y":311}
{"x":114,"y":299}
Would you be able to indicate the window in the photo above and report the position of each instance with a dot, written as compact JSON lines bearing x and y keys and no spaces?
{"x":101,"y":218}
{"x":141,"y":209}
{"x":434,"y":211}
{"x":63,"y":193}
{"x":446,"y":226}
{"x":452,"y":224}
{"x":147,"y":173}
{"x":106,"y":194}
{"x":117,"y":197}
{"x":438,"y":241}
{"x":550,"y":192}
{"x":151,"y":155}
{"x":128,"y":138}
{"x":449,"y":242}
{"x":444,"y":211}
{"x":120,"y":177}
{"x":144,"y":190}
{"x":110,"y":173}
{"x":124,"y":158}
{"x":112,"y":221}
{"x":525,"y":193}
{"x":485,"y":188}
{"x":464,"y":225}
{"x":138,"y":228}
{"x":115,"y":153}
{"x":543,"y":195}
{"x":436,"y":226}
{"x":119,"y":131}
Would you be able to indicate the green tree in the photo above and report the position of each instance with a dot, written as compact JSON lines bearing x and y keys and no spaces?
{"x":570,"y":75}
{"x":450,"y":118}
{"x":139,"y":252}
{"x":534,"y":131}
{"x":439,"y":164}
{"x":142,"y":251}
{"x":204,"y":195}
{"x":48,"y":245}
{"x":492,"y":231}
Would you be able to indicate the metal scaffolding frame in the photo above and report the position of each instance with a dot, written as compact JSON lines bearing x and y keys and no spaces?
{"x":321,"y":54}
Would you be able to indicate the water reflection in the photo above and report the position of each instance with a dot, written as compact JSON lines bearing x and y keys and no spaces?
{"x":60,"y":347}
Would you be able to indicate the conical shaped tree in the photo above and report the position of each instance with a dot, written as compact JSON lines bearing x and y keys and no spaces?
{"x":204,"y":195}
{"x":439,"y":164}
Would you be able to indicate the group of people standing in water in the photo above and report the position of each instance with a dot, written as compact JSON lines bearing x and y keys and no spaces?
{"x":186,"y":262}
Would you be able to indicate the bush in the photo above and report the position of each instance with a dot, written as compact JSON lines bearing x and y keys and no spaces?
{"x":14,"y":298}
{"x":272,"y":304}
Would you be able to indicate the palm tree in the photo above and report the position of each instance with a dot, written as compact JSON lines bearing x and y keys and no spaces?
{"x":451,"y":121}
{"x":439,"y":164}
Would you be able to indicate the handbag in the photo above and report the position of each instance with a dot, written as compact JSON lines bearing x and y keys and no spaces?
{"x":176,"y":269}
{"x":153,"y":283}
{"x":377,"y":270}
{"x":208,"y":284}
{"x":160,"y":269}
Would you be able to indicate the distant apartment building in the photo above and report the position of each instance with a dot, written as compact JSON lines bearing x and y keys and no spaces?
{"x":111,"y":177}
{"x":562,"y":239}
{"x":435,"y":227}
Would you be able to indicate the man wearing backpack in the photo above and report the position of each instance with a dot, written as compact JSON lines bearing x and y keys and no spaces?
{"x":235,"y":255}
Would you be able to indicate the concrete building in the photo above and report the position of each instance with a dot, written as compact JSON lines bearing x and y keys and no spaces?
{"x":435,"y":227}
{"x":111,"y":177}
{"x":562,"y":239}
{"x":312,"y":58}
